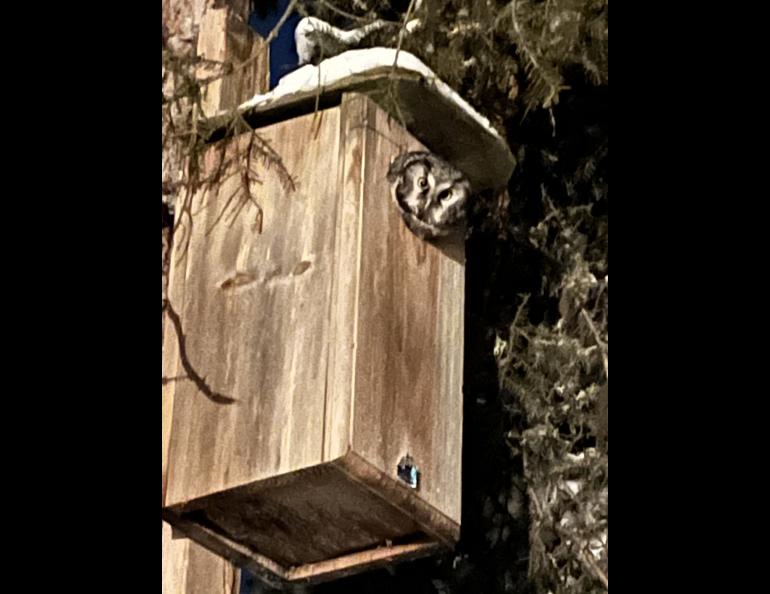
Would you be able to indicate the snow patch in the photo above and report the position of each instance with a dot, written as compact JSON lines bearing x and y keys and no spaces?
{"x":308,"y":26}
{"x":358,"y":62}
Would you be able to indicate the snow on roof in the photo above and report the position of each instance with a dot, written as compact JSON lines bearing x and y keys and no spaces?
{"x":356,"y":62}
{"x":434,"y":113}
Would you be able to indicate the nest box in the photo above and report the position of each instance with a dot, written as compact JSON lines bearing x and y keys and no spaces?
{"x":336,"y":332}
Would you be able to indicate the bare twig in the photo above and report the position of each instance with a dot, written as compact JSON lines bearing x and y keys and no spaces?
{"x":392,"y":77}
{"x":535,"y":500}
{"x":599,"y":341}
{"x":522,"y":305}
{"x":221,"y":214}
{"x":289,"y":9}
{"x":401,"y":32}
{"x":341,"y":12}
{"x":192,"y":375}
{"x":589,"y":560}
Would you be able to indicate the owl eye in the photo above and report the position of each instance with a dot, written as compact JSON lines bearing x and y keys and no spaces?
{"x":444,"y":195}
{"x":422,"y":182}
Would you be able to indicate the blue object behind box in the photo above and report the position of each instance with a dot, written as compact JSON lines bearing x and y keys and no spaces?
{"x":283,"y":49}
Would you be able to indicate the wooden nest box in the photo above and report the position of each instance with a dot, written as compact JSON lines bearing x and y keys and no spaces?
{"x":335,"y":330}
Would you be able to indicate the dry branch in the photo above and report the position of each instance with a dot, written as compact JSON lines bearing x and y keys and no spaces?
{"x":192,"y":375}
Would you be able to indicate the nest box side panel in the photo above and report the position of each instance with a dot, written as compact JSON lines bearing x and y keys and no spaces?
{"x":255,"y":313}
{"x":408,"y":369}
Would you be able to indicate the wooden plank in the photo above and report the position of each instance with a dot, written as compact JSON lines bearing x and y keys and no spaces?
{"x":212,"y":46}
{"x":408,"y":393}
{"x":208,"y":573}
{"x":303,"y":517}
{"x":171,"y":370}
{"x":249,"y":53}
{"x":256,"y":309}
{"x":340,"y":382}
{"x":441,"y":528}
{"x":237,"y":554}
{"x":174,"y":563}
{"x":189,"y":568}
{"x":333,"y":569}
{"x":278,"y":576}
{"x":225,"y":38}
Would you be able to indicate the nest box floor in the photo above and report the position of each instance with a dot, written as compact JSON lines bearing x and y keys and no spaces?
{"x":316,"y":524}
{"x":317,"y":514}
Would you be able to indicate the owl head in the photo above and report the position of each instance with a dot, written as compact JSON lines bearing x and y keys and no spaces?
{"x":430,"y":194}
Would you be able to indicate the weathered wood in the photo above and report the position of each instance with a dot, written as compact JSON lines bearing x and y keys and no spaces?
{"x":256,"y":310}
{"x":171,"y":370}
{"x":189,"y":568}
{"x":408,"y":386}
{"x":355,"y":112}
{"x":318,"y":513}
{"x":225,"y":38}
{"x":431,"y":521}
{"x":306,"y":517}
{"x":339,"y":335}
{"x":312,"y":573}
{"x":356,"y":562}
{"x":230,"y":550}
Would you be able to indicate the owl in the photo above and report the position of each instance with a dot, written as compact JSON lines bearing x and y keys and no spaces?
{"x":430,"y":194}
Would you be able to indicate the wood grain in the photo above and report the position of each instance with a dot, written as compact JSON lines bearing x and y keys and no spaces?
{"x":256,"y":309}
{"x":346,"y":565}
{"x":237,"y":554}
{"x":354,"y":113}
{"x":227,"y":39}
{"x":314,"y":524}
{"x":308,"y":516}
{"x":171,"y":368}
{"x":189,"y":568}
{"x":408,"y":375}
{"x":340,"y":336}
{"x":281,"y":577}
{"x":431,"y":521}
{"x":395,"y":375}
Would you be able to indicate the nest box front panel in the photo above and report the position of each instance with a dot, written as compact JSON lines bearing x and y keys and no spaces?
{"x":257,"y":283}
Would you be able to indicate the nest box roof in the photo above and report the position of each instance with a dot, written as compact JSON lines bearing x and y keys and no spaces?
{"x":437,"y":116}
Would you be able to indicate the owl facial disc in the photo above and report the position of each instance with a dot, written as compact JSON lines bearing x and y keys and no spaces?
{"x":431,"y":194}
